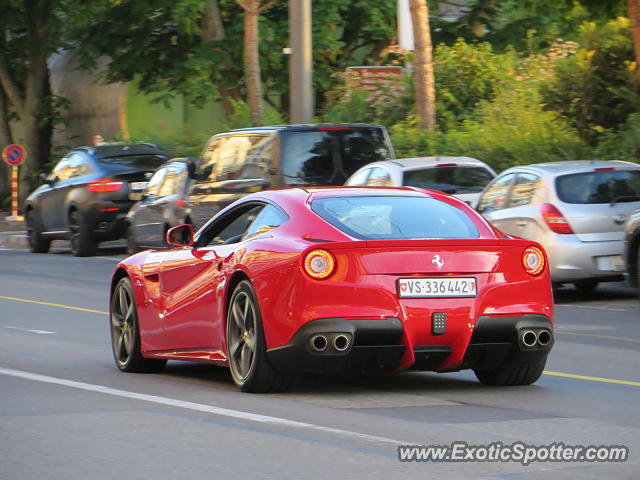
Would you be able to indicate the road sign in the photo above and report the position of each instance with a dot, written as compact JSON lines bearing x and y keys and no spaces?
{"x":14,"y":155}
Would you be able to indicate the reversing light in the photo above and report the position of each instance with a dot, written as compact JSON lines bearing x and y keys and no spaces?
{"x":533,"y":260}
{"x":555,"y":220}
{"x":104,"y":185}
{"x":319,"y":264}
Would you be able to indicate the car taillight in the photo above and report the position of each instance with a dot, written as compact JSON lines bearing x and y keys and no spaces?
{"x":319,"y":264}
{"x":104,"y":185}
{"x":181,"y":203}
{"x":447,"y":165}
{"x":533,"y":260}
{"x":554,"y":219}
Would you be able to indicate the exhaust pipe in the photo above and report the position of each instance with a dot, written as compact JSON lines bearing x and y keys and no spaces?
{"x":529,"y":338}
{"x":318,"y":343}
{"x":544,"y":338}
{"x":341,"y":343}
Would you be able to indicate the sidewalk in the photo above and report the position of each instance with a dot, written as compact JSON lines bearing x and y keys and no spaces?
{"x":12,"y":234}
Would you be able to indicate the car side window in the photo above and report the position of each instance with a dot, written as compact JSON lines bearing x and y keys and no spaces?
{"x":270,"y":217}
{"x":173,"y":182}
{"x":62,"y":171}
{"x":359,"y":178}
{"x":79,"y":166}
{"x":208,"y":159}
{"x":155,"y":182}
{"x":495,"y":197}
{"x":231,"y":228}
{"x":523,"y":189}
{"x":379,"y":178}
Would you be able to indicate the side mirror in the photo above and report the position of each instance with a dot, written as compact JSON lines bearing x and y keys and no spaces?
{"x":44,"y":178}
{"x":180,"y":236}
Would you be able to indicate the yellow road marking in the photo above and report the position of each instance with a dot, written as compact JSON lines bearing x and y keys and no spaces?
{"x":608,"y":337}
{"x":49,"y":304}
{"x":546,"y":372}
{"x":592,"y":379}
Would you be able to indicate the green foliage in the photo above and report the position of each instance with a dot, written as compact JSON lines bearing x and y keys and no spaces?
{"x":623,"y":144}
{"x":241,"y":118}
{"x":597,"y":88}
{"x":178,"y":144}
{"x":467,"y":74}
{"x":514,"y":129}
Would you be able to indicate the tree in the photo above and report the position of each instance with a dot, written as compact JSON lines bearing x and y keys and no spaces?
{"x":423,"y":65}
{"x":252,"y":10}
{"x":633,"y":10}
{"x":28,"y":35}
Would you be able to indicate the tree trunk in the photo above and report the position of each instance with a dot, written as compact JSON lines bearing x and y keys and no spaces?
{"x":423,"y":77}
{"x":252,"y":62}
{"x":5,"y":139}
{"x":211,"y":23}
{"x":633,"y":8}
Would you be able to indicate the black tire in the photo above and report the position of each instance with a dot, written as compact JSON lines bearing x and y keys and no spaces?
{"x":37,"y":243}
{"x":246,"y":348}
{"x":82,"y":245}
{"x":586,"y":286}
{"x":132,"y":243}
{"x":125,"y":333}
{"x":510,"y":376}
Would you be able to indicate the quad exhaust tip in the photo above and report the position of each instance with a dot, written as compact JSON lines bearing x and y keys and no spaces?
{"x":319,"y":343}
{"x":529,"y":338}
{"x":544,"y":338}
{"x":341,"y":343}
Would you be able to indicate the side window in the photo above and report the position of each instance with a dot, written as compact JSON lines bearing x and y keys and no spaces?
{"x":495,"y":196}
{"x":523,"y":189}
{"x":379,"y":178}
{"x":61,"y":171}
{"x":208,"y":159}
{"x":232,"y":158}
{"x":269,"y":218}
{"x":359,"y":178}
{"x":258,"y":157}
{"x":79,"y":166}
{"x":173,"y":182}
{"x":155,"y":182}
{"x":231,"y":227}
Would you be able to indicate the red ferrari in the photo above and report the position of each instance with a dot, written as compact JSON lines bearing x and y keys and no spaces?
{"x":335,"y":280}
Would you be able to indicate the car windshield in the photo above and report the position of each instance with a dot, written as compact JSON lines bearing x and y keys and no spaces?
{"x":600,"y":186}
{"x":451,"y":179}
{"x":329,"y":156}
{"x":394,"y":217}
{"x":135,"y":162}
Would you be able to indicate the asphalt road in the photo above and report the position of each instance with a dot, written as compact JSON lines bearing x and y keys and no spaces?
{"x":67,"y":413}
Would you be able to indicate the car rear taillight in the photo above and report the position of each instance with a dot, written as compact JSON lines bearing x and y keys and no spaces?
{"x":333,"y":128}
{"x":447,"y":165}
{"x":181,"y":203}
{"x":604,"y":169}
{"x":104,"y":185}
{"x":555,"y":220}
{"x":533,"y":260}
{"x":319,"y":264}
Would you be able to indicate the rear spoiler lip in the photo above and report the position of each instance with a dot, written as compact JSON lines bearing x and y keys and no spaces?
{"x":425,"y":243}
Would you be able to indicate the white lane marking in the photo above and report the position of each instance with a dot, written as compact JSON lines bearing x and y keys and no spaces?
{"x":42,"y":332}
{"x":198,"y":407}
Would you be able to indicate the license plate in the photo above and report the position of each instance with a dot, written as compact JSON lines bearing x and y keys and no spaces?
{"x":138,"y":185}
{"x":425,"y":287}
{"x":611,"y":263}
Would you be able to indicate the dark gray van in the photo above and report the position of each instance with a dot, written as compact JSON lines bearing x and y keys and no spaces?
{"x":239,"y":162}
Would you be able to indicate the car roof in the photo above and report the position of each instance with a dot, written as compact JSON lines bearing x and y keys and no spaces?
{"x":571,"y":166}
{"x":305,"y":127}
{"x":422,"y":162}
{"x":110,"y":150}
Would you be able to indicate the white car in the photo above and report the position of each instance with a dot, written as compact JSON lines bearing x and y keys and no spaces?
{"x":463,"y":177}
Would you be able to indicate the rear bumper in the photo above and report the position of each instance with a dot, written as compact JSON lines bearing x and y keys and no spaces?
{"x":381,"y":345}
{"x":572,"y":260}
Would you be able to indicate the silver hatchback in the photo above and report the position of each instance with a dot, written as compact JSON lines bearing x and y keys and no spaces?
{"x":576,"y":210}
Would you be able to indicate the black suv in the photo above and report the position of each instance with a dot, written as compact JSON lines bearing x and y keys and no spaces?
{"x":87,"y":195}
{"x":248,"y":160}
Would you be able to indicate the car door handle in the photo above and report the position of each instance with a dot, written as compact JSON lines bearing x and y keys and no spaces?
{"x":522,"y":224}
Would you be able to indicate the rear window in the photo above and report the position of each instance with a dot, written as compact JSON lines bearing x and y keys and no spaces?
{"x":134,"y":162}
{"x":605,"y":186}
{"x":394,"y":217}
{"x":458,"y":179}
{"x":329,"y":157}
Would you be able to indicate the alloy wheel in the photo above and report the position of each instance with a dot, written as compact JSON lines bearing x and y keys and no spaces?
{"x":242,"y":335}
{"x":122,"y":325}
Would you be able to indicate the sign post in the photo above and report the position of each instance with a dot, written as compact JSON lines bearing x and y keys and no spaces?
{"x":14,"y":155}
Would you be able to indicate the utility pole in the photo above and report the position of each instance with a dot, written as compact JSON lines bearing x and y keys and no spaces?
{"x":301,"y":65}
